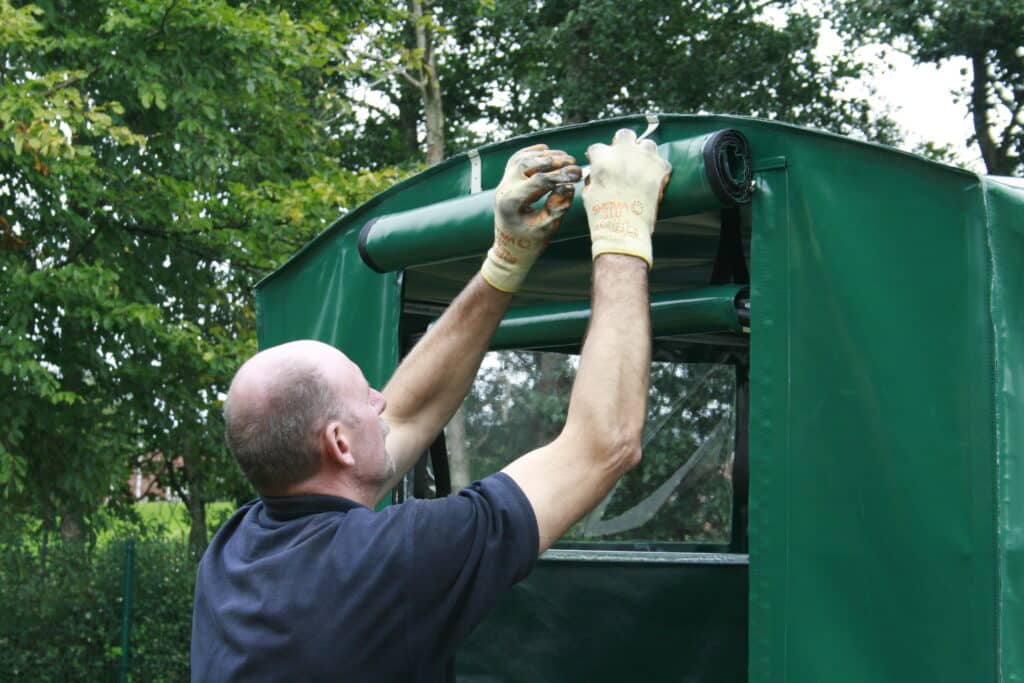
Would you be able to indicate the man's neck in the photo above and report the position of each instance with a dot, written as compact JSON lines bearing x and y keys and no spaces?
{"x":322,"y":486}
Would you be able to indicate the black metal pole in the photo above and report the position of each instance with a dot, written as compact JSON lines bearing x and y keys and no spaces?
{"x":126,"y":611}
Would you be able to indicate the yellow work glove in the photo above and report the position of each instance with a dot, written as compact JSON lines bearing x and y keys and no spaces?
{"x":521,"y":232}
{"x":622,"y":193}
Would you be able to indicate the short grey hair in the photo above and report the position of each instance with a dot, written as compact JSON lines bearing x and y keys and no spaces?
{"x":277,"y":441}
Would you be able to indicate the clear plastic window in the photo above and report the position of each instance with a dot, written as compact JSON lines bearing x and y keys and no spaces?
{"x":682,"y":490}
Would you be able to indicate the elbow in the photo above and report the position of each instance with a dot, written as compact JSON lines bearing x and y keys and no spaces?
{"x":625,"y":453}
{"x":617,"y":451}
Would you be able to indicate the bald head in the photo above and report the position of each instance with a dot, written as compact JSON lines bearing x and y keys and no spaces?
{"x":278,"y":403}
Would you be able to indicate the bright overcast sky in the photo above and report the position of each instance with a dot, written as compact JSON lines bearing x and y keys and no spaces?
{"x":919,"y":97}
{"x":922,"y":100}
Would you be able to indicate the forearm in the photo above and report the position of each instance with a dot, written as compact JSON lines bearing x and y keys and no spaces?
{"x":602,"y":435}
{"x":603,"y":431}
{"x":431,"y":382}
{"x":609,"y":398}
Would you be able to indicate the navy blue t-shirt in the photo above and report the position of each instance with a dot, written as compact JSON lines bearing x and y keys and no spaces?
{"x":320,"y":588}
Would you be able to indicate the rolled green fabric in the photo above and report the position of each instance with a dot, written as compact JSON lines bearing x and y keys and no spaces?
{"x":709,"y":172}
{"x":698,"y":311}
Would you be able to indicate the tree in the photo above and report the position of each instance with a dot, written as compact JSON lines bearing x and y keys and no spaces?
{"x":521,"y":65}
{"x":420,"y":22}
{"x":397,"y":88}
{"x":159,"y":158}
{"x":988,"y":33}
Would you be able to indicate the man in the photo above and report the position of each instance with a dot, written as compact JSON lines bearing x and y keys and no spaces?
{"x":308,"y":583}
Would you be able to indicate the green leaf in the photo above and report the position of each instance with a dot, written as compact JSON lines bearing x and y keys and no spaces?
{"x":159,"y":97}
{"x":145,"y":93}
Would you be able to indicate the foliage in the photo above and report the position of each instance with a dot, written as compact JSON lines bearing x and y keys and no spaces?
{"x":157,"y":159}
{"x":167,"y":520}
{"x":521,"y":65}
{"x":64,"y":609}
{"x":566,"y":61}
{"x":989,"y":33}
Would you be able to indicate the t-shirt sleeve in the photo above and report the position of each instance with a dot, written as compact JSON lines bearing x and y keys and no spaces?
{"x":467,"y":551}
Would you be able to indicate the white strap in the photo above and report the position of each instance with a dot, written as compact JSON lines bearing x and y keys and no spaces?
{"x":652,"y":125}
{"x":475,"y":178}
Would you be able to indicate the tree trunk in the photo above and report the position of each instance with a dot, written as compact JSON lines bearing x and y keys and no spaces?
{"x":72,"y":530}
{"x":430,"y":86}
{"x":195,"y":501}
{"x":458,"y":454}
{"x":407,"y":99}
{"x":577,"y":68}
{"x":409,"y":120}
{"x":197,"y":525}
{"x":997,"y":162}
{"x":548,"y":367}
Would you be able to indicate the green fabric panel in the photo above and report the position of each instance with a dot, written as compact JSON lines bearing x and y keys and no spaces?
{"x":872,"y":440}
{"x":614,"y":623}
{"x":452,"y":229}
{"x":684,"y":257}
{"x":769,"y":429}
{"x":1006,"y":227}
{"x":710,"y":309}
{"x":451,"y":178}
{"x":328,"y":294}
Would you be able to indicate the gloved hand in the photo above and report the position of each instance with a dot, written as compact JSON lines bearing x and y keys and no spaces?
{"x":622,"y":193}
{"x":521,"y":232}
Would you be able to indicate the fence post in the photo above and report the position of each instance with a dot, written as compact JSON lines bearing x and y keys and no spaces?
{"x":126,"y":611}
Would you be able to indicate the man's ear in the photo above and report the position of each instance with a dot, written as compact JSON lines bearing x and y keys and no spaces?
{"x":336,"y":444}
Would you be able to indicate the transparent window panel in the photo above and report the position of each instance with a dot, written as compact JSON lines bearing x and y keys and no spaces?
{"x":682,"y":490}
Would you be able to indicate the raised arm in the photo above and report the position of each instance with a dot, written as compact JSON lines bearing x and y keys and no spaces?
{"x":602,"y":435}
{"x":431,"y":382}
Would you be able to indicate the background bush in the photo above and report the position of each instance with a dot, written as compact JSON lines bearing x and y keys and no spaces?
{"x":63,"y":605}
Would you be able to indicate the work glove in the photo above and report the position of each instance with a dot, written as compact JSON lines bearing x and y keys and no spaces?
{"x":622,"y":193}
{"x":521,"y":232}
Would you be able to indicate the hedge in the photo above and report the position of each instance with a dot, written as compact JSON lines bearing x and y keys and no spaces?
{"x":63,"y":610}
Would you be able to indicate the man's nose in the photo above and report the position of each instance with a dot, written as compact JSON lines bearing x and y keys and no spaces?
{"x":378,"y":401}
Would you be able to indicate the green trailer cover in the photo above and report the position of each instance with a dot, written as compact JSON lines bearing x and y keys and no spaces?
{"x":886,"y":361}
{"x":1005,"y":203}
{"x":886,"y":429}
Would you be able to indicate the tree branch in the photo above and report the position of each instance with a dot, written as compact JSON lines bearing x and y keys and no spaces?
{"x":149,"y":489}
{"x":70,"y":82}
{"x":194,"y":251}
{"x":356,"y":102}
{"x":174,"y":480}
{"x":758,"y":6}
{"x":404,"y":73}
{"x":1007,"y":137}
{"x":73,"y":255}
{"x":163,"y":21}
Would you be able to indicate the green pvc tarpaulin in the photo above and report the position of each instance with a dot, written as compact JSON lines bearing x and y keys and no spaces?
{"x":886,"y":428}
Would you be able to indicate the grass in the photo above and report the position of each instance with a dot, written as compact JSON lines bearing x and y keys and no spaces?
{"x":167,"y":520}
{"x":172,"y":518}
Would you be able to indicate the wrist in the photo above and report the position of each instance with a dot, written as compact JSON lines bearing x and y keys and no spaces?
{"x":621,"y":223}
{"x":620,"y":233}
{"x":504,"y":270}
{"x":619,"y":261}
{"x":638,"y":252}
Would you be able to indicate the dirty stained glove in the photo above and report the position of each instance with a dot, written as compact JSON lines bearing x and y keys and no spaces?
{"x":521,"y":232}
{"x":622,"y":193}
